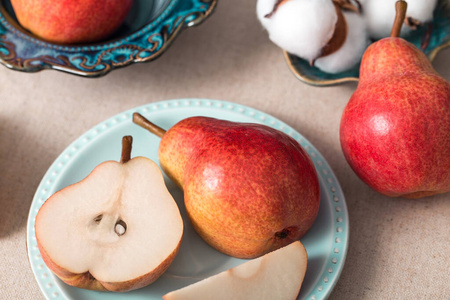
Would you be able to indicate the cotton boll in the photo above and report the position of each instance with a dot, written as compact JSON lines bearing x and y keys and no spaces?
{"x":380,"y":15}
{"x":301,"y":27}
{"x":351,"y":51}
{"x":263,"y":7}
{"x":421,"y":10}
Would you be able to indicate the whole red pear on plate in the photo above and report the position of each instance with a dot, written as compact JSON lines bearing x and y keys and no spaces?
{"x":395,"y":129}
{"x":71,"y":21}
{"x":248,"y":188}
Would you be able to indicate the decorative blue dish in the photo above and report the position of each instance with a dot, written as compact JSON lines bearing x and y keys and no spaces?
{"x":439,"y":38}
{"x":150,"y":28}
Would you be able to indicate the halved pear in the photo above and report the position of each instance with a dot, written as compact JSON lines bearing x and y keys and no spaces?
{"x":276,"y":275}
{"x":118,"y":229}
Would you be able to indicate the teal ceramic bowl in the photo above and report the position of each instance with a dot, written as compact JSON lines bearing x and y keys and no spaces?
{"x":148,"y":31}
{"x":439,"y":39}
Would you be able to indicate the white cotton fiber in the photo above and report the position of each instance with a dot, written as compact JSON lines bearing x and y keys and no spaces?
{"x":380,"y":15}
{"x":351,"y":51}
{"x":263,"y":7}
{"x":421,"y":10}
{"x":301,"y":27}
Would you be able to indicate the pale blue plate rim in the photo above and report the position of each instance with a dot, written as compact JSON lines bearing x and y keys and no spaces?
{"x":333,"y":241}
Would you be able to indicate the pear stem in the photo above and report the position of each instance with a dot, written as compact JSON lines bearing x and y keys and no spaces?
{"x":146,"y":124}
{"x":400,"y":14}
{"x":127,"y":141}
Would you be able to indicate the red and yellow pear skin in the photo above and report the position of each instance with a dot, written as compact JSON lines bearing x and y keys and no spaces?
{"x":248,"y":189}
{"x":395,"y":129}
{"x":71,"y":21}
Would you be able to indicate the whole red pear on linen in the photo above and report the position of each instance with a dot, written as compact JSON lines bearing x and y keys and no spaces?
{"x":395,"y":130}
{"x":71,"y":21}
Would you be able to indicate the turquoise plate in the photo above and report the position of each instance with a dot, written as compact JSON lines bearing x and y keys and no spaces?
{"x":326,"y":243}
{"x":148,"y":31}
{"x":439,"y":39}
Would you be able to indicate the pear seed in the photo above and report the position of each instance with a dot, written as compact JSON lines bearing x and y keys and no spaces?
{"x":98,"y":218}
{"x":120,"y":228}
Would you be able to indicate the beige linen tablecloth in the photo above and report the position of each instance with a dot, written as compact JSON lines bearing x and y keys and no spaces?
{"x":398,"y":249}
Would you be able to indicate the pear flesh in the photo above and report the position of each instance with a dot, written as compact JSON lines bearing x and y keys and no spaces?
{"x":276,"y":275}
{"x":118,"y":229}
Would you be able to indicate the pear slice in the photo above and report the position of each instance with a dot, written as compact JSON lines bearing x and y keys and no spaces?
{"x":276,"y":275}
{"x":118,"y":229}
